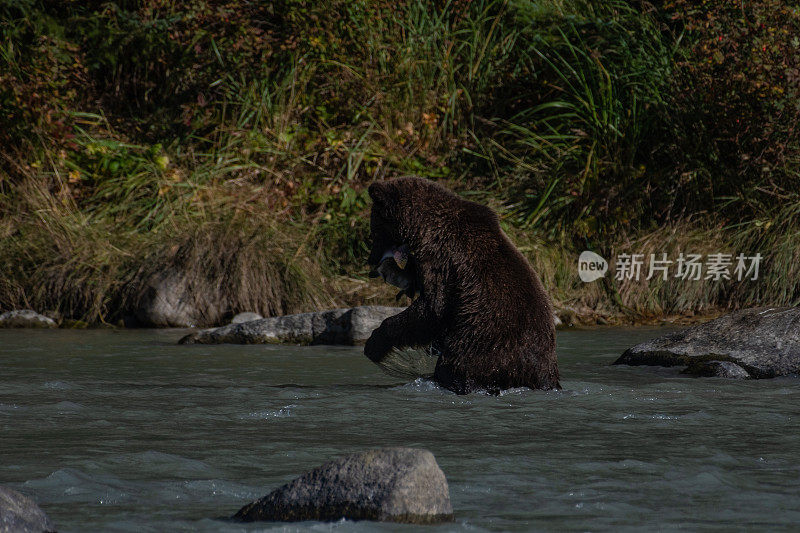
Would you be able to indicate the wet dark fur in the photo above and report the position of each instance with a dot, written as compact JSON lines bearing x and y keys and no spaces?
{"x":480,"y":304}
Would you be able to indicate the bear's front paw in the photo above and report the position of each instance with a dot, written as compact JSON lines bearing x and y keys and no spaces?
{"x":375,"y":347}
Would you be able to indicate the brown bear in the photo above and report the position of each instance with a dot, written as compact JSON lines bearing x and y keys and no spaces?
{"x":481,"y":306}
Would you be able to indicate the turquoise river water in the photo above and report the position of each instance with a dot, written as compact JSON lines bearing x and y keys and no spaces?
{"x":128,"y":431}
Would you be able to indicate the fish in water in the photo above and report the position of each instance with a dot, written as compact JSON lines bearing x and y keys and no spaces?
{"x":397,"y":269}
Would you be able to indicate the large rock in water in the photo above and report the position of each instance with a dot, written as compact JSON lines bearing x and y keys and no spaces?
{"x":389,"y":484}
{"x":20,"y":514}
{"x":754,"y":343}
{"x":25,"y":318}
{"x":337,"y":326}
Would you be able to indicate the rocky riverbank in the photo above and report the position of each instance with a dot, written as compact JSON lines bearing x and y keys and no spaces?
{"x":337,"y":326}
{"x":751,"y":343}
{"x":565,"y":316}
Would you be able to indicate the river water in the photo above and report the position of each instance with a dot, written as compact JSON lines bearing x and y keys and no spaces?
{"x":124,"y":430}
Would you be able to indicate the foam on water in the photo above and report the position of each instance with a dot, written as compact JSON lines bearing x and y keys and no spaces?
{"x":267,"y":414}
{"x":58,"y":385}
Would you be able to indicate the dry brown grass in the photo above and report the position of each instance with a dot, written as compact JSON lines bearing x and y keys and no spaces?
{"x":237,"y":265}
{"x":56,"y":258}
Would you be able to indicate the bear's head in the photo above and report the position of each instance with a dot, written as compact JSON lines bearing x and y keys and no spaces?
{"x":389,"y":256}
{"x":408,"y":213}
{"x":384,"y":221}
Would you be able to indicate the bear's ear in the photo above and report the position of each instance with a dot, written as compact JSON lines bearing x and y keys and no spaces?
{"x":385,"y":196}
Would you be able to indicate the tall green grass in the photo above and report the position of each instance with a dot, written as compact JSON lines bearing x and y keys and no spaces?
{"x":234,"y":141}
{"x":576,"y":145}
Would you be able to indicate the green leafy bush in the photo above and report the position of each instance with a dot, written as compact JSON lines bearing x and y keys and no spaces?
{"x":733,"y":136}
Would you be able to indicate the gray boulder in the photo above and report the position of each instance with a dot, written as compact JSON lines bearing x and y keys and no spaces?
{"x":245,"y":317}
{"x":20,"y":514}
{"x":755,"y":343}
{"x":25,"y":318}
{"x":337,"y":326}
{"x":388,"y":484}
{"x":365,"y":319}
{"x":168,"y":302}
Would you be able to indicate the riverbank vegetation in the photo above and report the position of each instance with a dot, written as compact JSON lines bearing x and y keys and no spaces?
{"x":233,"y":141}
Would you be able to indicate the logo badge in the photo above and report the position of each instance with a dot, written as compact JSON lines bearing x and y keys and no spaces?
{"x":591,"y":266}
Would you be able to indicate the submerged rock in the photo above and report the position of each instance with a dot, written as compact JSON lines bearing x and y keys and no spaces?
{"x":336,"y":326}
{"x":20,"y":514}
{"x":755,"y":343}
{"x":25,"y":318}
{"x":245,"y":317}
{"x":716,"y":369}
{"x":388,"y":484}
